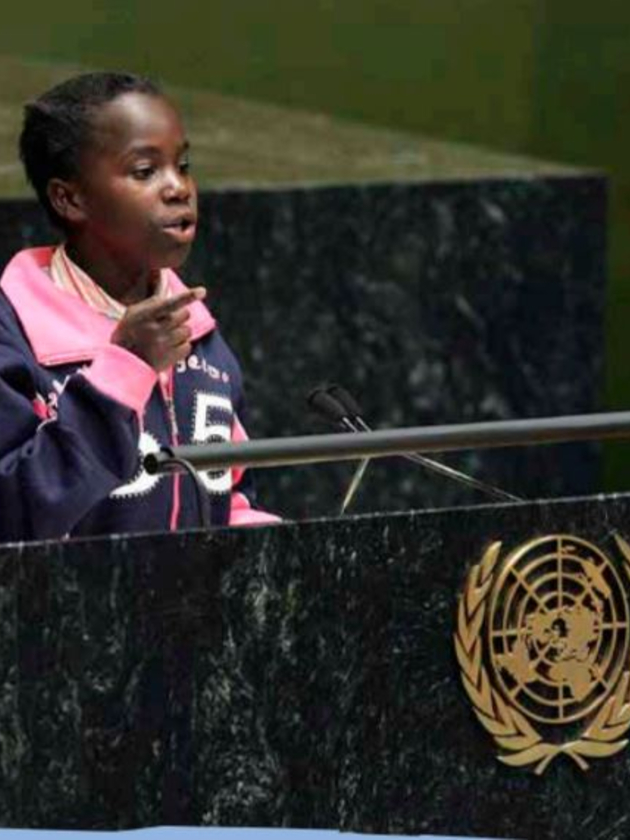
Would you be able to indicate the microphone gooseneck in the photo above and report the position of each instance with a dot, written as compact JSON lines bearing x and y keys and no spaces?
{"x":324,"y":401}
{"x":336,"y":405}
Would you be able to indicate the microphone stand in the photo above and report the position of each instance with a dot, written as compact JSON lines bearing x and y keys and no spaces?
{"x":357,"y":478}
{"x":442,"y":469}
{"x":335,"y":404}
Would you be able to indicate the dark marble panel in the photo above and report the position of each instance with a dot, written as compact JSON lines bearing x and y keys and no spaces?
{"x":433,"y":302}
{"x":349,"y":710}
{"x":302,"y":675}
{"x":12,"y":742}
{"x":105,"y":646}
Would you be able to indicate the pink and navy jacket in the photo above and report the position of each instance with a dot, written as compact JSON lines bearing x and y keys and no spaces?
{"x":77,"y":413}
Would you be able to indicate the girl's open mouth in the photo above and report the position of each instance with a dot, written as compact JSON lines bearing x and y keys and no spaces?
{"x":182,"y":230}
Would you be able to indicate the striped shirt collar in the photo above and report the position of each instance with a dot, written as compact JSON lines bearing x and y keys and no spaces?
{"x":67,"y":275}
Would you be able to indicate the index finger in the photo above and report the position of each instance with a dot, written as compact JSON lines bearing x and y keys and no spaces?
{"x":172,"y":304}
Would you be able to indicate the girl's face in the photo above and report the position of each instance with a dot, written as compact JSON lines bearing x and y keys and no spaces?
{"x":136,"y":199}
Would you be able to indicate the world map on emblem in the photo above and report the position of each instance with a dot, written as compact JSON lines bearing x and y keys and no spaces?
{"x":558,"y":630}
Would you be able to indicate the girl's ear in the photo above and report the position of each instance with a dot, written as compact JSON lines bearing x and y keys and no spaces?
{"x":65,"y":198}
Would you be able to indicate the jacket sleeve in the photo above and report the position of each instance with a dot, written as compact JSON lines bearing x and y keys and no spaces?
{"x":57,"y":462}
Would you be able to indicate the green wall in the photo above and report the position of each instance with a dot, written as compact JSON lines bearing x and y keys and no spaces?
{"x":461,"y":68}
{"x":581,"y":86}
{"x":544,"y":77}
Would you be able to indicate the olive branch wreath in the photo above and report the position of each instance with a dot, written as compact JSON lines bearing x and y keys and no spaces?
{"x":521,"y":743}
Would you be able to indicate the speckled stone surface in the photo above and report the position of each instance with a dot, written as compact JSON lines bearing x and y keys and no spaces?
{"x":436,"y":302}
{"x":433,"y":303}
{"x":302,"y":675}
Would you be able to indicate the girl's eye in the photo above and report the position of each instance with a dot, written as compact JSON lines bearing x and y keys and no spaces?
{"x":184,"y":167}
{"x":142,"y":173}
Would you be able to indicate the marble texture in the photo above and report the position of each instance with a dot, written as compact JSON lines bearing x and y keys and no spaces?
{"x":300,"y":676}
{"x":433,"y":302}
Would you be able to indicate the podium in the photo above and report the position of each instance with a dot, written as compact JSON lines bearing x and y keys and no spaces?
{"x":321,"y":674}
{"x":307,"y":675}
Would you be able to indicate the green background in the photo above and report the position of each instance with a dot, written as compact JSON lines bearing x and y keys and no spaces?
{"x":548,"y":78}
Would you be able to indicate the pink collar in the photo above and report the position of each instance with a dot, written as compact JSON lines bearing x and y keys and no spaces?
{"x":60,"y":327}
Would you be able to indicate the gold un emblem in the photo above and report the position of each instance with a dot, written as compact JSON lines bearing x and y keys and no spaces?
{"x":542,"y":641}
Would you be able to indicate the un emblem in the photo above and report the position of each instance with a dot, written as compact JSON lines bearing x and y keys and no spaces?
{"x":542,"y":641}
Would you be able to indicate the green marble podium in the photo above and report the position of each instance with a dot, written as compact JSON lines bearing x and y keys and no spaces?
{"x":306,"y":675}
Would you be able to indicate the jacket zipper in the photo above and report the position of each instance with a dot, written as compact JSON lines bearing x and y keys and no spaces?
{"x":167,"y":389}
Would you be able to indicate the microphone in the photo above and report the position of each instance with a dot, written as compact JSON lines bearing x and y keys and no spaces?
{"x":323,"y":402}
{"x":348,"y":403}
{"x":346,"y":407}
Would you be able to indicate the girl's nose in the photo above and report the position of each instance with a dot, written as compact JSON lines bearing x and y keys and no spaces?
{"x":177,"y":186}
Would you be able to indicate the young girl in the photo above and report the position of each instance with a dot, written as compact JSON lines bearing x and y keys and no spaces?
{"x":104,"y":354}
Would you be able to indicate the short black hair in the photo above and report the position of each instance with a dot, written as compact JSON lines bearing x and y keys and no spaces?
{"x":58,"y":126}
